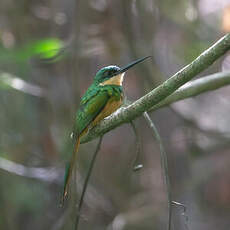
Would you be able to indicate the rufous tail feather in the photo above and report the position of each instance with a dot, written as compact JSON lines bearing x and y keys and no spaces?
{"x":69,"y":170}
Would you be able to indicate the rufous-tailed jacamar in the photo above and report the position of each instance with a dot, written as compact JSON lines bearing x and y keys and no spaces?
{"x":102,"y":98}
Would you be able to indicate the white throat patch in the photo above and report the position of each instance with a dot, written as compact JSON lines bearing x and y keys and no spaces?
{"x":116,"y":80}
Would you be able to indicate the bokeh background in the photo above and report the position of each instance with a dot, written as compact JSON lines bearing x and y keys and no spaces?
{"x":40,"y":89}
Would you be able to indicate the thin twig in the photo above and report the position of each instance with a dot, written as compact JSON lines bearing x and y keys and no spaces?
{"x":136,"y":165}
{"x":164,"y":166}
{"x":86,"y":183}
{"x":184,"y":208}
{"x":59,"y":223}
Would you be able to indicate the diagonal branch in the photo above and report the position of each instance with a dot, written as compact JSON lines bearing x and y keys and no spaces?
{"x":155,"y":96}
{"x":196,"y":87}
{"x":8,"y":80}
{"x":49,"y":174}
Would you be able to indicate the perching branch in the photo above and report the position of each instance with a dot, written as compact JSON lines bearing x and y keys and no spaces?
{"x":196,"y":87}
{"x":158,"y":94}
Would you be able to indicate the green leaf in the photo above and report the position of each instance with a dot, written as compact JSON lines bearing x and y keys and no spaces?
{"x":47,"y":48}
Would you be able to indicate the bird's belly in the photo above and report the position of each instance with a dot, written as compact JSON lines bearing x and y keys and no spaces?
{"x":111,"y":106}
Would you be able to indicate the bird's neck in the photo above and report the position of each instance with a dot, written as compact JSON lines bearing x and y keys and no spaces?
{"x":116,"y":80}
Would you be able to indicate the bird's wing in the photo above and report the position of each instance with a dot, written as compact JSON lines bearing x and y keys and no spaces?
{"x":87,"y":112}
{"x":91,"y":92}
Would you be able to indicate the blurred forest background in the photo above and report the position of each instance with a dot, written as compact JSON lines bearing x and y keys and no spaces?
{"x":40,"y":89}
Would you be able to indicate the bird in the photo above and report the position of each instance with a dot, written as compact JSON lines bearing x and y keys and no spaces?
{"x":103,"y":97}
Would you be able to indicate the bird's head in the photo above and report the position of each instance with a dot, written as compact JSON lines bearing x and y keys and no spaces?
{"x":113,"y":75}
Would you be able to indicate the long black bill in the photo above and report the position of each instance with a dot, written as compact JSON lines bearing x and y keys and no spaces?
{"x":125,"y":68}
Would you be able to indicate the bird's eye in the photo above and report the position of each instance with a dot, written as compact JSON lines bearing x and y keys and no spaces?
{"x":108,"y":73}
{"x":111,"y":72}
{"x":105,"y":74}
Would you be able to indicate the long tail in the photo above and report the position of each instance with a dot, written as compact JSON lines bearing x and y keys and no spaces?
{"x":69,"y":170}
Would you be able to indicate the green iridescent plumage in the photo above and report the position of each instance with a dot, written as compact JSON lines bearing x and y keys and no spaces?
{"x":101,"y":99}
{"x":92,"y":104}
